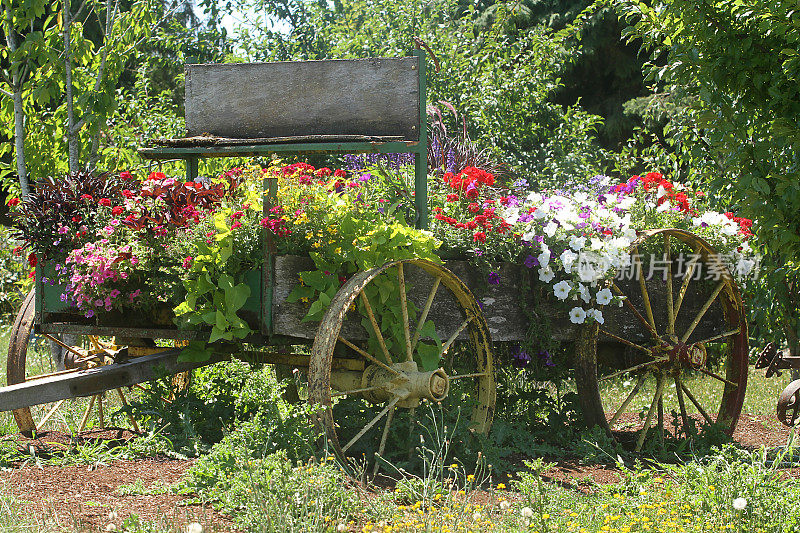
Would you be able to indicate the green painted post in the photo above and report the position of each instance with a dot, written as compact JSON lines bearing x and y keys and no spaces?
{"x":191,"y":168}
{"x":421,"y":155}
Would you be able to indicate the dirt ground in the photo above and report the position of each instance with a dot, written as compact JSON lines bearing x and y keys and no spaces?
{"x":87,"y":495}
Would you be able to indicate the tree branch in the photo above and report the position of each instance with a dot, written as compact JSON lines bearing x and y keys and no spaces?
{"x":6,"y":93}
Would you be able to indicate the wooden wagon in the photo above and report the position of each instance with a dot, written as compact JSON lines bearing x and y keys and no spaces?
{"x":678,"y":338}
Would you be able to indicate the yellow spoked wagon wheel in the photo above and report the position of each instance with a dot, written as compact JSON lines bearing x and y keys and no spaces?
{"x":36,"y":356}
{"x":675,"y":357}
{"x":409,"y":331}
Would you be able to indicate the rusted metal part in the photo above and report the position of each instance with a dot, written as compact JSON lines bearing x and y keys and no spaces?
{"x":789,"y":404}
{"x":319,"y":375}
{"x":669,"y":354}
{"x":775,"y":361}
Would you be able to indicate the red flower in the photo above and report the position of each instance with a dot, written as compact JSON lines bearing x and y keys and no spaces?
{"x":86,"y":197}
{"x":473,"y":207}
{"x":32,"y":259}
{"x":117,"y":210}
{"x":105,"y":202}
{"x":156,"y":176}
{"x":126,"y":175}
{"x":237,"y":215}
{"x":13,"y":202}
{"x":236,"y":225}
{"x":479,"y":237}
{"x":77,"y":218}
{"x":452,"y":197}
{"x":340,"y":173}
{"x":471,"y":224}
{"x":323,"y":172}
{"x":17,"y":251}
{"x":127,"y":194}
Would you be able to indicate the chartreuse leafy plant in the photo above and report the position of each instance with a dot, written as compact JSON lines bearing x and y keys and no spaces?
{"x":213,"y":296}
{"x":359,"y":245}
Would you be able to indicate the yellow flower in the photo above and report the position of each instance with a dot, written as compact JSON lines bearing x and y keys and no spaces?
{"x":501,"y":486}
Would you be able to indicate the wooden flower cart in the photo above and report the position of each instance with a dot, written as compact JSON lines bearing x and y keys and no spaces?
{"x":680,"y":339}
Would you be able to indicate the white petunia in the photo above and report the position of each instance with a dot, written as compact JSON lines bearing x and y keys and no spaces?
{"x":561,"y":290}
{"x":577,"y":315}
{"x":603,"y":296}
{"x":546,"y":274}
{"x":568,"y":257}
{"x":597,"y":315}
{"x":730,"y":229}
{"x":550,"y":229}
{"x":584,"y":293}
{"x":661,"y":192}
{"x":529,"y":235}
{"x":544,"y":257}
{"x":666,"y":206}
{"x":577,"y":243}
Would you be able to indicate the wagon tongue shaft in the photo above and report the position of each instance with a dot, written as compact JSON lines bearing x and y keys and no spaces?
{"x":95,"y":380}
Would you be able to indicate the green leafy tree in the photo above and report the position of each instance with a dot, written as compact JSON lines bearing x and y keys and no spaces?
{"x":735,"y":66}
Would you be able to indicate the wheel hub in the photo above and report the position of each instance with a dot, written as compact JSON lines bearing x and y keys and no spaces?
{"x":689,"y":356}
{"x":404,"y":381}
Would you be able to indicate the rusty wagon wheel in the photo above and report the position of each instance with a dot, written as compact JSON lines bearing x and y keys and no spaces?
{"x":679,"y":345}
{"x":404,"y":322}
{"x":36,"y":356}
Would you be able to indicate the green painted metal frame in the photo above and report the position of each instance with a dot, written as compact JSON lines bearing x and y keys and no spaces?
{"x":192,"y":156}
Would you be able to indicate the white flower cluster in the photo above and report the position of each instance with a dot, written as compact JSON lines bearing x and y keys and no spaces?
{"x":578,"y":242}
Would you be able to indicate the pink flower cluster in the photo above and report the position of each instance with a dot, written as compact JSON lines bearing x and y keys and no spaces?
{"x":92,"y":273}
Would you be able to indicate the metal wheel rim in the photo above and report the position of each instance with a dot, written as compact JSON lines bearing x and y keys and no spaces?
{"x":319,"y":388}
{"x":736,"y":361}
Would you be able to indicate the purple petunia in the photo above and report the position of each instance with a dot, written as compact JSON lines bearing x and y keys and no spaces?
{"x":494,"y":278}
{"x":530,"y":261}
{"x":521,"y":357}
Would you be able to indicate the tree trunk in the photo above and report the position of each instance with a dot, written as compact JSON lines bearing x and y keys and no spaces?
{"x":19,"y":110}
{"x":19,"y":140}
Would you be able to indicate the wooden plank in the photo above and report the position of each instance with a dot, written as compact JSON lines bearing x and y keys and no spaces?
{"x":92,"y":381}
{"x":372,"y":97}
{"x":503,"y":305}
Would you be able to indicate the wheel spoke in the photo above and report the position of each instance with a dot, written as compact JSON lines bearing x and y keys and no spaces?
{"x":367,"y":355}
{"x":401,"y":278}
{"x":356,"y":391}
{"x":720,"y":336}
{"x":650,"y":413}
{"x":63,"y":345}
{"x":86,"y":414}
{"x":702,"y":312}
{"x":635,"y":367}
{"x":685,"y":285}
{"x":696,"y":403}
{"x":715,"y":376}
{"x":628,"y":400}
{"x":382,"y":445}
{"x":375,"y":327}
{"x":682,"y":405}
{"x":645,"y":295}
{"x":130,"y":416}
{"x":100,"y":416}
{"x":475,"y":375}
{"x":630,"y":306}
{"x":425,"y":310}
{"x":452,"y":338}
{"x":50,"y":413}
{"x":371,"y":423}
{"x":625,"y":341}
{"x":670,"y":307}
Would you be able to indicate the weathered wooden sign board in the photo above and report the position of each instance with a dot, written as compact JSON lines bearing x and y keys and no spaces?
{"x":369,"y":97}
